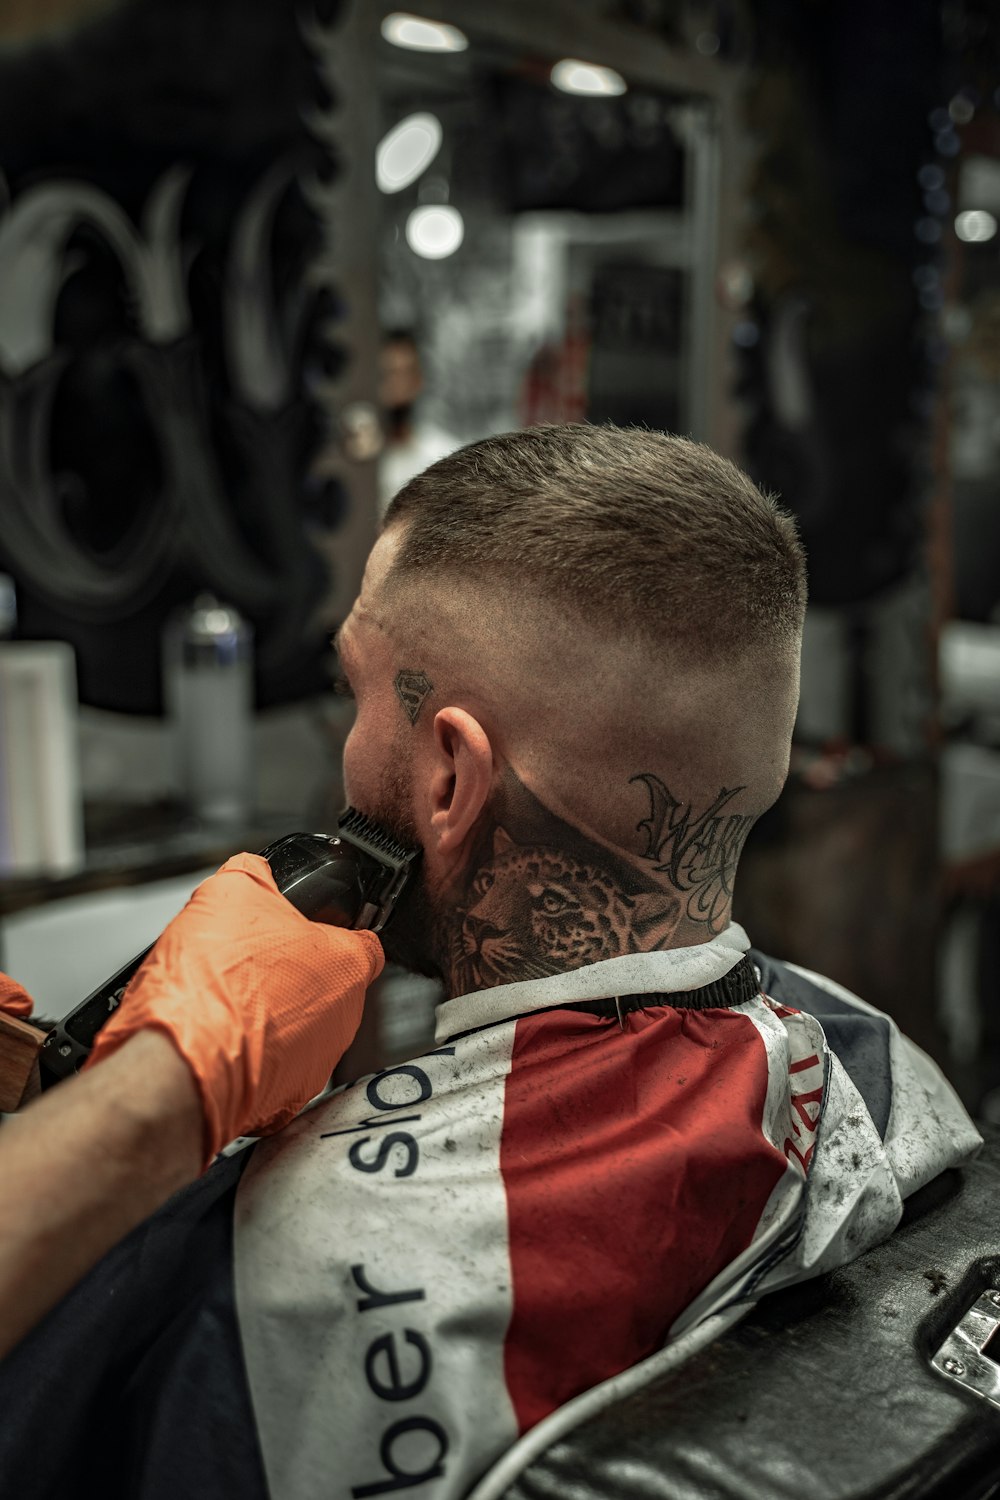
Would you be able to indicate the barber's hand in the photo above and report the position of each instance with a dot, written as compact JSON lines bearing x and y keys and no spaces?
{"x":14,"y":999}
{"x":260,"y":1002}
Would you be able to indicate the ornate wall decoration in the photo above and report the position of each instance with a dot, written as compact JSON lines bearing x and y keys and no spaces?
{"x":162,"y":341}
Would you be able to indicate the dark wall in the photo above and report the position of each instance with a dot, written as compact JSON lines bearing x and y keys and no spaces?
{"x":840,"y":107}
{"x":159,"y":349}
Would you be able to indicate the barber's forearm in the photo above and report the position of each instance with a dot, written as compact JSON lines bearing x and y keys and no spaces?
{"x":86,"y":1163}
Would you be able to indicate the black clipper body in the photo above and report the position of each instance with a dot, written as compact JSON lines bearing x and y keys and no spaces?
{"x":349,"y":879}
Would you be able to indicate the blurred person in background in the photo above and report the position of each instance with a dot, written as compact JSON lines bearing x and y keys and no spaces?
{"x":411,"y":442}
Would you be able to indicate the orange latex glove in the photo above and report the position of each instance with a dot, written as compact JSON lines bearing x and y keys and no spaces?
{"x":260,"y":1002}
{"x":14,"y":999}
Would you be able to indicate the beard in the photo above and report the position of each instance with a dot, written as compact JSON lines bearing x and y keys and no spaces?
{"x":409,"y":937}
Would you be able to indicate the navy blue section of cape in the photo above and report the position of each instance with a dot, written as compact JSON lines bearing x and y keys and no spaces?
{"x":134,"y":1387}
{"x":859,"y":1039}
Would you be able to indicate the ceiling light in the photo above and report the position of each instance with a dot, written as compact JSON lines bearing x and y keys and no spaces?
{"x":403,"y":30}
{"x":406,"y":151}
{"x":975,"y":226}
{"x":435,"y":231}
{"x":576,"y":77}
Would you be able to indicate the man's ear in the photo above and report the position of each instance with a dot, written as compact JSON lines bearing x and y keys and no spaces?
{"x":461,"y":778}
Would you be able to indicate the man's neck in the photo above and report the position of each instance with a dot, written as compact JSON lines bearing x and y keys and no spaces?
{"x":542,"y":898}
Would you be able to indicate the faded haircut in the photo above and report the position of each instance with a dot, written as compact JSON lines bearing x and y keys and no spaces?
{"x":654,"y":536}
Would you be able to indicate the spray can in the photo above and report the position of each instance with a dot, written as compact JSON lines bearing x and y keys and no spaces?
{"x":208,"y":695}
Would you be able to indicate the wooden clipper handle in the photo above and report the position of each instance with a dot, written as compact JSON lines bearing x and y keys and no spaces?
{"x":20,"y":1043}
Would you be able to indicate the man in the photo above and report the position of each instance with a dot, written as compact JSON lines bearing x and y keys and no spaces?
{"x":575,"y":659}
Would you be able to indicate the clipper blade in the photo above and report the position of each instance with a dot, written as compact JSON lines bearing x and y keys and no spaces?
{"x":371,"y":838}
{"x":392,"y":863}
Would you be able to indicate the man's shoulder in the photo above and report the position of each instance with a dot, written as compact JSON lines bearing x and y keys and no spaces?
{"x":803,"y":989}
{"x":859,"y":1035}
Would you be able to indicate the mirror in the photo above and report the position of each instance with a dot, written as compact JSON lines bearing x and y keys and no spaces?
{"x":547,"y":245}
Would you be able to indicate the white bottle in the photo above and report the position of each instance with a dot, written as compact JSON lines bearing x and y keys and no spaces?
{"x":208,"y":695}
{"x":41,"y":804}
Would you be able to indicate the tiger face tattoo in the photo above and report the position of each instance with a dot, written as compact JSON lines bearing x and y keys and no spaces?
{"x":536,"y":911}
{"x":540,"y":897}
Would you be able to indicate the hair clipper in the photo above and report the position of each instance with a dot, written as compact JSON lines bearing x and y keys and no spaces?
{"x":349,"y":879}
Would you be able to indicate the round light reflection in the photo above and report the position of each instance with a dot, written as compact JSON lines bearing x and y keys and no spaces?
{"x":406,"y":151}
{"x":975,"y":226}
{"x":404,"y":30}
{"x":576,"y":77}
{"x":434,"y":231}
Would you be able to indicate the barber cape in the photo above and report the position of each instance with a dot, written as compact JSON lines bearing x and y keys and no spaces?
{"x":586,"y":1173}
{"x":451,"y":1250}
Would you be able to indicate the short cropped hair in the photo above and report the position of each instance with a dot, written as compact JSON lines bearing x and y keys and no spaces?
{"x":652,"y":535}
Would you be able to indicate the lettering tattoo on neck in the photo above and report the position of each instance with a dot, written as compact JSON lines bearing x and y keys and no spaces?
{"x":544,"y":899}
{"x":698,"y":851}
{"x":412,"y":688}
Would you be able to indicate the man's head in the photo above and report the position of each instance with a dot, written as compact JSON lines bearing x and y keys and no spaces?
{"x":575,"y":655}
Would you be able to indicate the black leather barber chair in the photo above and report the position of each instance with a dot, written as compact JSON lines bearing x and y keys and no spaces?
{"x":870,"y":1383}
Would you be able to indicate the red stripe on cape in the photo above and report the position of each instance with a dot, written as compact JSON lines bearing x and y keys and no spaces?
{"x":636,"y":1169}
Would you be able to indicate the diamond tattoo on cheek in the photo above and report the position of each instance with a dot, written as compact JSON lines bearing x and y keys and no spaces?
{"x":411,"y":689}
